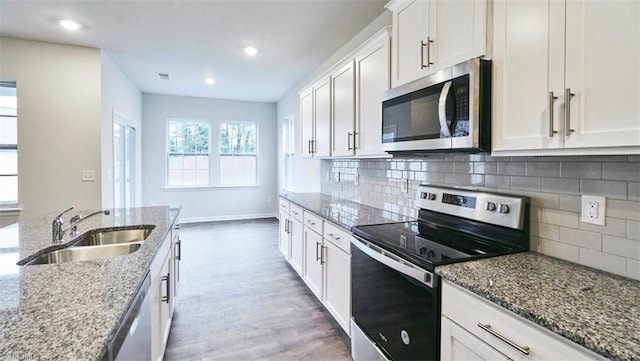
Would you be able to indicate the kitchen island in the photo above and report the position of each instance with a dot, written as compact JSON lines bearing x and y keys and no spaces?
{"x":71,"y":310}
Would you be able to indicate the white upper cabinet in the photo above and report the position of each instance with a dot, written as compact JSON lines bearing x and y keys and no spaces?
{"x":344,"y":98}
{"x":306,"y":122}
{"x":373,"y":77}
{"x":322,"y":116}
{"x":561,"y":84}
{"x":429,"y":35}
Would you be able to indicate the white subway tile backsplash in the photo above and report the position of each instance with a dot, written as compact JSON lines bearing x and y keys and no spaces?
{"x":604,"y":261}
{"x":582,"y":239}
{"x":621,"y":247}
{"x":560,"y":218}
{"x":554,"y":184}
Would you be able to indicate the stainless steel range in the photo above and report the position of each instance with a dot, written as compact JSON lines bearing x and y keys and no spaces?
{"x":395,"y":292}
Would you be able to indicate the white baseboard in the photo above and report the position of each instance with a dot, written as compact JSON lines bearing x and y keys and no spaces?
{"x":228,"y":218}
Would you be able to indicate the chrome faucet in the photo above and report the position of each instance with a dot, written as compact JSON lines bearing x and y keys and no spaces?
{"x":58,"y":232}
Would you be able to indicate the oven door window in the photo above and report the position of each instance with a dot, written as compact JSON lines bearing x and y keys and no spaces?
{"x":398,"y":313}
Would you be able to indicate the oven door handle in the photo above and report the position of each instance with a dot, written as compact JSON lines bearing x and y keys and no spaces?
{"x":442,"y":109}
{"x":380,"y":255}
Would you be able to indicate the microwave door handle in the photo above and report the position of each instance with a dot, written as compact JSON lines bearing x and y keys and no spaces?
{"x":442,"y":109}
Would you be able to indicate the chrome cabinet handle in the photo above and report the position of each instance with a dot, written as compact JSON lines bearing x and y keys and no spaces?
{"x":552,"y":99}
{"x":422,"y":45}
{"x":322,"y":260}
{"x":286,"y":226}
{"x":167,"y":279}
{"x":487,"y":327}
{"x":429,"y":42}
{"x":332,"y":236}
{"x":442,"y":109}
{"x":355,"y":145}
{"x":567,"y":112}
{"x":349,"y":141}
{"x":318,"y":257}
{"x":309,"y":147}
{"x":179,"y":256}
{"x":311,"y":223}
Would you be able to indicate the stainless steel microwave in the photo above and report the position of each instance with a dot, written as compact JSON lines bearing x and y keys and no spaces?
{"x":449,"y":110}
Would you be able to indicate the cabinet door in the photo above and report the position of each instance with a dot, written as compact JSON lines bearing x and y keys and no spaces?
{"x":306,"y":122}
{"x":322,"y":118}
{"x":528,"y":64}
{"x":343,"y":94}
{"x":285,"y":237}
{"x":458,"y":31}
{"x":337,"y":284}
{"x":161,"y":308}
{"x":176,"y":257}
{"x":603,"y":71}
{"x":372,"y":79}
{"x":458,"y":344}
{"x":313,"y":262}
{"x":297,"y":244}
{"x":410,"y":32}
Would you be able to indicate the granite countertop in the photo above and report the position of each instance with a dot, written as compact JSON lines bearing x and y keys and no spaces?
{"x":595,"y":309}
{"x":70,"y":310}
{"x":342,"y":212}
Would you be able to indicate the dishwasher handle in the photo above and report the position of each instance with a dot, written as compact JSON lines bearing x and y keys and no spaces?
{"x":423,"y":276}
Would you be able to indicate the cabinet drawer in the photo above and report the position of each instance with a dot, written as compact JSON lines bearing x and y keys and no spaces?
{"x":284,"y":205}
{"x":296,"y":212}
{"x":313,"y":222}
{"x":337,"y":236}
{"x":469,"y":311}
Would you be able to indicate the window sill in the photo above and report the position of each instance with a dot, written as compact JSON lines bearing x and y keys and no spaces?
{"x":9,"y":211}
{"x":204,"y":188}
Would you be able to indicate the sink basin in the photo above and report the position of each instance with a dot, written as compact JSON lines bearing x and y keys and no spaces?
{"x":105,"y":237}
{"x":86,"y":253}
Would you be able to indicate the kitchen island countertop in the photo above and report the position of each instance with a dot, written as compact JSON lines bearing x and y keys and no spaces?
{"x":595,"y":309}
{"x":70,"y":311}
{"x":344,"y":213}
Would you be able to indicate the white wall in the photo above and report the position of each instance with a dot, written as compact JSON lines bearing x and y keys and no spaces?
{"x":307,"y":171}
{"x":119,"y":94}
{"x":210,"y":203}
{"x":58,"y":123}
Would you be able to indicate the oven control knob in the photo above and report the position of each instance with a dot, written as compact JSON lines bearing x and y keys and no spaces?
{"x":423,"y":195}
{"x":490,"y":206}
{"x":431,"y":196}
{"x":504,"y":208}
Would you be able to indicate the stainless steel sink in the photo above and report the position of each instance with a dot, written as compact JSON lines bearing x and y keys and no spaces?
{"x":105,"y":237}
{"x":86,"y":253}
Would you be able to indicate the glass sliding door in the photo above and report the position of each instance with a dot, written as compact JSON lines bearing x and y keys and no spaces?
{"x":124,"y":164}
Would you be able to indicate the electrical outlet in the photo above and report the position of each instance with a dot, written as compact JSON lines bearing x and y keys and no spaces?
{"x":88,"y":175}
{"x":594,"y":209}
{"x":404,"y":185}
{"x":356,"y":180}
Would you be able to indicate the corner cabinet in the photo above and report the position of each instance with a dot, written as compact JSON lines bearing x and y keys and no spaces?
{"x":476,"y":329}
{"x":561,"y":85}
{"x":323,"y":261}
{"x":429,"y":35}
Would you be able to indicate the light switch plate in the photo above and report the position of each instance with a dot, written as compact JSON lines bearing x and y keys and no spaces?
{"x":88,"y":175}
{"x":593,"y":209}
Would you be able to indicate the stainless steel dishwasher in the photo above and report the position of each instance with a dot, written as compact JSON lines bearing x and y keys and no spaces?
{"x":133,"y":338}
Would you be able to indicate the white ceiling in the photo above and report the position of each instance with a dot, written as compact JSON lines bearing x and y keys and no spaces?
{"x":192,"y":40}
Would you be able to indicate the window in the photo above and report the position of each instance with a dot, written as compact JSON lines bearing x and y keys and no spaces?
{"x":8,"y":145}
{"x":203,"y":153}
{"x":288,"y":151}
{"x":188,"y":155}
{"x":238,"y":153}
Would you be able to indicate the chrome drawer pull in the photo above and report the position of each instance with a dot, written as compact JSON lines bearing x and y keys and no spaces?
{"x":487,"y":327}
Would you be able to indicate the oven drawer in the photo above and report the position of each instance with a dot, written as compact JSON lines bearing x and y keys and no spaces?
{"x":296,"y":212}
{"x":517,"y":336}
{"x":337,"y":236}
{"x":313,"y":222}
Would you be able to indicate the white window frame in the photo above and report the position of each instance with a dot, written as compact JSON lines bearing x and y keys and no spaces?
{"x":288,"y":152}
{"x":9,"y":207}
{"x":214,"y":155}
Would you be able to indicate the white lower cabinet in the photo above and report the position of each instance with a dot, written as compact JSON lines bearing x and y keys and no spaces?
{"x":321,"y":253}
{"x":313,"y":261}
{"x":476,"y":329}
{"x":337,"y":281}
{"x":161,"y":299}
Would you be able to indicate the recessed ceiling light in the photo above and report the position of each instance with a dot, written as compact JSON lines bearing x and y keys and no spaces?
{"x":250,"y":50}
{"x":209,"y":81}
{"x":70,"y":24}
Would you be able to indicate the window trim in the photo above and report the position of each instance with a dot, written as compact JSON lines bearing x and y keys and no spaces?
{"x":219,"y":154}
{"x":13,"y":207}
{"x":167,"y":152}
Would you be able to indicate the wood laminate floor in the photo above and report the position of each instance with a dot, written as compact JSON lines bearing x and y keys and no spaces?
{"x":240,"y":300}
